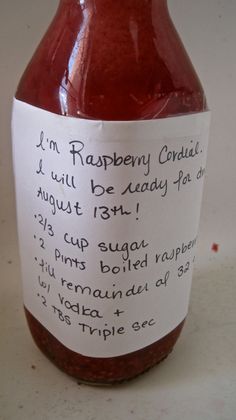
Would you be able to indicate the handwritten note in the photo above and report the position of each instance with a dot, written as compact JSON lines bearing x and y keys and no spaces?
{"x":108,"y":216}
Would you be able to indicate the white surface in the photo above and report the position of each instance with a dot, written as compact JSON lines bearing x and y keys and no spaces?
{"x":198,"y":381}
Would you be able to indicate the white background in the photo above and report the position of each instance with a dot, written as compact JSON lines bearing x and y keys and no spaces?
{"x":198,"y":381}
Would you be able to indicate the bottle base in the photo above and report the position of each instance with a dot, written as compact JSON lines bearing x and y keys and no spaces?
{"x":122,"y":381}
{"x":101,"y":371}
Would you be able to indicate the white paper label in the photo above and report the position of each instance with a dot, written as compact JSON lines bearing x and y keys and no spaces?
{"x":108,"y":215}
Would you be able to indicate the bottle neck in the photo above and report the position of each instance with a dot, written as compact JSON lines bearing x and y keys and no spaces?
{"x":120,"y":3}
{"x":112,"y":16}
{"x":115,"y":7}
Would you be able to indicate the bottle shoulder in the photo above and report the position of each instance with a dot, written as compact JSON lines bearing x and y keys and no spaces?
{"x":99,"y":69}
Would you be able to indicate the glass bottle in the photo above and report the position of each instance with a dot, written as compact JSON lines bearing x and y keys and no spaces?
{"x":112,"y":61}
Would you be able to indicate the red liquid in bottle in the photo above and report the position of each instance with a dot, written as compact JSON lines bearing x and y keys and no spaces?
{"x":110,"y":60}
